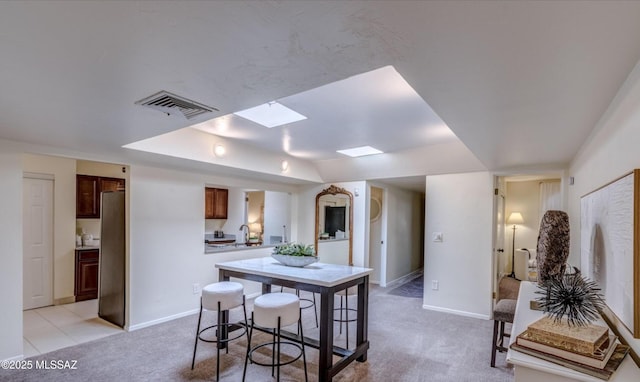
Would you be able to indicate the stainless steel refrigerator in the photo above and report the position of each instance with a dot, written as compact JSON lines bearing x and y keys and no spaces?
{"x":111,"y":290}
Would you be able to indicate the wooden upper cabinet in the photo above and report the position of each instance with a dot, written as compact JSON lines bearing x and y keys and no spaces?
{"x":88,"y":189}
{"x":111,"y":184}
{"x":215,"y":203}
{"x":87,"y":205}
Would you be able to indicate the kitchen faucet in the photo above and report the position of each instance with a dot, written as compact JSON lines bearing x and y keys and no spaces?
{"x":246,"y":235}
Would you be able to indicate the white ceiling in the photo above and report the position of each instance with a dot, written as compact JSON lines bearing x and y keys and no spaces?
{"x":377,"y":108}
{"x":521,"y":84}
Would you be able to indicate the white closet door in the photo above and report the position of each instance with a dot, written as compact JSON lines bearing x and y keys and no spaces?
{"x":37,"y":243}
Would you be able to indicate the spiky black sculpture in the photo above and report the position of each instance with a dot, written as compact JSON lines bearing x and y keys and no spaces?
{"x":573,"y":296}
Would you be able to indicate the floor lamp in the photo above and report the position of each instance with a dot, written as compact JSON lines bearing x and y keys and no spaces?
{"x":514,"y":218}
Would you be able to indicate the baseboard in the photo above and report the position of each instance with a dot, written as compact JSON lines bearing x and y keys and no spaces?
{"x":252,"y":295}
{"x":458,"y":312}
{"x":404,"y":279}
{"x":131,"y":328}
{"x":64,"y":300}
{"x":16,"y":358}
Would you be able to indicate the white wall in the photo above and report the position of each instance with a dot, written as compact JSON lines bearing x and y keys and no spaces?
{"x":405,"y":216}
{"x":522,"y":197}
{"x":64,"y":225}
{"x":10,"y":253}
{"x":111,"y":170}
{"x":611,"y":152}
{"x":166,"y":242}
{"x":277,"y":213}
{"x":460,"y":206}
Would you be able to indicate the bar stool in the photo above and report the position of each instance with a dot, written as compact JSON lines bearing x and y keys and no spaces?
{"x":310,"y":303}
{"x":503,"y":312}
{"x":220,"y":297}
{"x":273,"y":311}
{"x":344,"y":309}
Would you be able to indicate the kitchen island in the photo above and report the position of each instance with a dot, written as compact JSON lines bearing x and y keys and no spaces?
{"x":325,"y":279}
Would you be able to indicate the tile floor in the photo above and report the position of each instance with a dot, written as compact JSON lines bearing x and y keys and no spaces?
{"x":55,"y":327}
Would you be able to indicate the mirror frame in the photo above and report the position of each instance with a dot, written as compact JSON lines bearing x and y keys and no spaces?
{"x":333,"y":190}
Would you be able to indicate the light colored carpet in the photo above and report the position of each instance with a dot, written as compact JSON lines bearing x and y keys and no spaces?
{"x":408,"y":343}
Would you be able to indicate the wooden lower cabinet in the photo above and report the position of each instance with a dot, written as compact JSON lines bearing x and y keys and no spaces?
{"x":86,"y":285}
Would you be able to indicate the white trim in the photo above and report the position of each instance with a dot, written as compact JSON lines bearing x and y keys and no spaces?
{"x":15,"y":358}
{"x":458,"y":312}
{"x":252,"y":295}
{"x":384,"y":237}
{"x":405,"y":278}
{"x":131,"y":328}
{"x":175,"y":316}
{"x":36,"y":175}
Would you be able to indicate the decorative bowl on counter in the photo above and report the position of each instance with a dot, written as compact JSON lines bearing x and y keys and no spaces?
{"x":294,"y":261}
{"x":294,"y":255}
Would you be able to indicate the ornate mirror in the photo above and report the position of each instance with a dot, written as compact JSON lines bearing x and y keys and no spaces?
{"x":334,"y":225}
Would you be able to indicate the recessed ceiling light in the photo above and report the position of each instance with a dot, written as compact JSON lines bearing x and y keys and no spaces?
{"x":219,"y":150}
{"x":360,"y":151}
{"x":271,"y":114}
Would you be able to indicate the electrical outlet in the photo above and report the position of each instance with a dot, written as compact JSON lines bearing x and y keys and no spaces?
{"x":196,"y":288}
{"x":434,"y":284}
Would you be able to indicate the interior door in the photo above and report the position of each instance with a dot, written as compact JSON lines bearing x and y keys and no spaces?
{"x":37,"y":239}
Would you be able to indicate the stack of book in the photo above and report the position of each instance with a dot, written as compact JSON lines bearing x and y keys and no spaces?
{"x":590,"y":349}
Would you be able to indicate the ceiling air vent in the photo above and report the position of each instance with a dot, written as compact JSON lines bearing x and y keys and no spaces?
{"x":171,"y":104}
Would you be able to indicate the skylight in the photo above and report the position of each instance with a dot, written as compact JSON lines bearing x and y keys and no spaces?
{"x":360,"y":151}
{"x":271,"y":114}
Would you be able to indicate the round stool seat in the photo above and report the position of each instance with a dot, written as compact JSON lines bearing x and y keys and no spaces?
{"x":268,"y":307}
{"x":228,"y":293}
{"x":505,"y":310}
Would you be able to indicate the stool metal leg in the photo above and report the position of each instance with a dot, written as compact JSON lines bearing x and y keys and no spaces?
{"x":219,"y":344}
{"x":304,"y":356}
{"x":273,"y":354}
{"x":314,"y":309}
{"x":244,"y":310}
{"x":278,"y":367}
{"x":195,"y":346}
{"x":346,"y":312}
{"x":246,"y":358}
{"x":341,"y":321}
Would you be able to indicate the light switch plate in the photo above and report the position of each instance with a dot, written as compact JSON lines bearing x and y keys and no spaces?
{"x":437,"y":237}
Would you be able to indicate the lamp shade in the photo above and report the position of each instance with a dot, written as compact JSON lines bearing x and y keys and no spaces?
{"x":515,"y":218}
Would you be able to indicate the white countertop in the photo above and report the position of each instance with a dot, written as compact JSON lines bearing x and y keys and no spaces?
{"x":317,"y":273}
{"x":628,"y":371}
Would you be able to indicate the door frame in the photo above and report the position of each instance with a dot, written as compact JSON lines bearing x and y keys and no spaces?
{"x":382,"y":277}
{"x":499,"y":203}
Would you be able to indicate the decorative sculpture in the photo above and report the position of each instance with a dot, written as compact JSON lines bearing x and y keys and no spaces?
{"x":553,"y":246}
